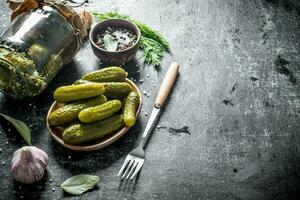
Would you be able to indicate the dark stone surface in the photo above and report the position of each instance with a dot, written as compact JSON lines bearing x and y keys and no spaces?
{"x":246,"y":149}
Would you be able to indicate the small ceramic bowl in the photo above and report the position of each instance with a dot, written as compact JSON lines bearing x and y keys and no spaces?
{"x":56,"y":133}
{"x":122,"y":56}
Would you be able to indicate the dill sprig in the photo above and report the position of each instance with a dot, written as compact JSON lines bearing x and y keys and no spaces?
{"x":152,"y":43}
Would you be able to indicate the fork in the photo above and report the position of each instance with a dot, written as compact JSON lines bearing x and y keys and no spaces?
{"x":136,"y":158}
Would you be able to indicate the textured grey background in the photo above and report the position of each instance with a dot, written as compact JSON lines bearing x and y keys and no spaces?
{"x":247,"y":149}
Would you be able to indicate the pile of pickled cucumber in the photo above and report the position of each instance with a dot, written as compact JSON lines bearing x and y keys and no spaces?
{"x":95,"y":106}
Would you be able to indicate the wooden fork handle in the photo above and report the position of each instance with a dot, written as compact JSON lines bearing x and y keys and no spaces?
{"x":166,"y":85}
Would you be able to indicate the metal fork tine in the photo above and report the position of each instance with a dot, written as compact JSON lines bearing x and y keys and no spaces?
{"x":137,"y":169}
{"x":132,"y":168}
{"x":127,"y":168}
{"x":124,"y":165}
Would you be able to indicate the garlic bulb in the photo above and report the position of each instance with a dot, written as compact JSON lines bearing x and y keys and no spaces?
{"x":28,"y":164}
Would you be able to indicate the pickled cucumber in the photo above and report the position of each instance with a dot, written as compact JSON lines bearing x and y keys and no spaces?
{"x":81,"y":133}
{"x":131,"y":104}
{"x":78,"y":92}
{"x":80,"y":81}
{"x":99,"y":112}
{"x":69,"y":112}
{"x":109,"y":74}
{"x":116,"y":90}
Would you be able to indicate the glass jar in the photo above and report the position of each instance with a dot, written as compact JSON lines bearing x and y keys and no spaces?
{"x":34,"y":47}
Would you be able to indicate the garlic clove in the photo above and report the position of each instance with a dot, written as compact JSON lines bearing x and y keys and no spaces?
{"x":28,"y":164}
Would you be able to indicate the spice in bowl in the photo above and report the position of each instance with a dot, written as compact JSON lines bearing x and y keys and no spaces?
{"x":116,"y":39}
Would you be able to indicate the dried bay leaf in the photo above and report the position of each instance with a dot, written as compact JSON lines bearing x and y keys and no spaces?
{"x":21,"y":127}
{"x":79,"y":184}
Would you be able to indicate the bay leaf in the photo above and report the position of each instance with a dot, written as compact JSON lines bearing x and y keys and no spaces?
{"x":110,"y":43}
{"x":79,"y":184}
{"x":21,"y":127}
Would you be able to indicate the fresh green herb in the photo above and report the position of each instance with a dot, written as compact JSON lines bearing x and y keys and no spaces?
{"x":152,"y":43}
{"x":21,"y":127}
{"x":79,"y":184}
{"x":110,"y":43}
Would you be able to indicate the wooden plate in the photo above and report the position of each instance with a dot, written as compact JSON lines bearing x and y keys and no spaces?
{"x":95,"y":145}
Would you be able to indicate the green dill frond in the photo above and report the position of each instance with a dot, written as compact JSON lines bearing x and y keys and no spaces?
{"x":152,"y":51}
{"x":150,"y":33}
{"x":110,"y":15}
